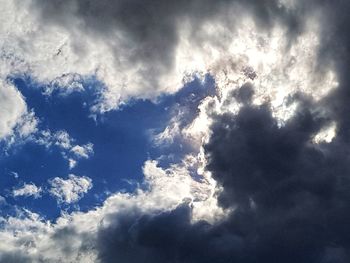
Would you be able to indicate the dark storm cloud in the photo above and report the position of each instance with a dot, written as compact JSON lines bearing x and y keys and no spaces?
{"x":336,"y":46}
{"x":291,"y":199}
{"x":168,"y":237}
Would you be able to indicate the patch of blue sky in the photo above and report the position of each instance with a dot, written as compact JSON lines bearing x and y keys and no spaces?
{"x":121,"y":140}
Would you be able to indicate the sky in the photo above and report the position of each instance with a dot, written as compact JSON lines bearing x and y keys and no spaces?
{"x":174,"y":131}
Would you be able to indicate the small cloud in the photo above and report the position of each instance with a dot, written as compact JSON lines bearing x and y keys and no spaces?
{"x":326,"y":135}
{"x":63,"y":139}
{"x":72,"y":163}
{"x":84,"y":151}
{"x":14,"y":174}
{"x":70,"y":190}
{"x":2,"y":200}
{"x":28,"y":190}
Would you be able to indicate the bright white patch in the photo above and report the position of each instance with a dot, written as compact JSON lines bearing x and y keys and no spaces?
{"x":65,"y":84}
{"x":72,"y":163}
{"x":14,"y":116}
{"x":172,"y":186}
{"x":28,"y":190}
{"x":70,"y":190}
{"x":327,"y":134}
{"x":167,"y":136}
{"x":275,"y":66}
{"x":63,"y":139}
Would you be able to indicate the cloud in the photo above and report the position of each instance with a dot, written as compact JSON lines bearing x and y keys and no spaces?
{"x":2,"y":200}
{"x":134,"y":53}
{"x":27,"y":190}
{"x":287,"y":196}
{"x":83,"y":151}
{"x":66,"y":144}
{"x":264,"y":188}
{"x":70,"y":190}
{"x":286,"y":193}
{"x":15,"y":118}
{"x":73,"y":237}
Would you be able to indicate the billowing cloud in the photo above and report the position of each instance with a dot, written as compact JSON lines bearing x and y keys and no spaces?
{"x":138,"y":49}
{"x":287,"y":196}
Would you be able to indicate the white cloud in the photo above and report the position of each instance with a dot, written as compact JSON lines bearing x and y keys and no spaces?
{"x":61,"y":56}
{"x":163,"y":190}
{"x":70,"y":190}
{"x":72,"y":163}
{"x":52,"y":53}
{"x":65,"y":84}
{"x":66,"y":144}
{"x":83,"y":151}
{"x":62,"y":139}
{"x":327,"y":134}
{"x":14,"y":116}
{"x":28,"y":190}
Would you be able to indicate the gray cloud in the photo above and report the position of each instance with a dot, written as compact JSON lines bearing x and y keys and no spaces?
{"x":291,"y":198}
{"x":12,"y":257}
{"x":148,"y":30}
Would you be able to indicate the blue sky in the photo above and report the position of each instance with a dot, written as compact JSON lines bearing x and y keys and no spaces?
{"x":122,"y":142}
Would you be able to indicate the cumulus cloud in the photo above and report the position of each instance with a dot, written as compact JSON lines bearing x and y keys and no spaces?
{"x":70,"y":190}
{"x":28,"y":190}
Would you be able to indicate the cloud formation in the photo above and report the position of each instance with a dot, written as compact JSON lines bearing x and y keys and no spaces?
{"x":138,"y":49}
{"x":271,"y":146}
{"x":288,"y":196}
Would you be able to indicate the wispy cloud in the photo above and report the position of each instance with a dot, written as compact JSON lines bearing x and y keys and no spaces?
{"x":27,"y":190}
